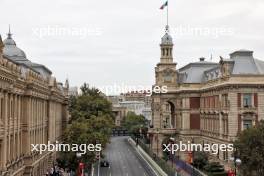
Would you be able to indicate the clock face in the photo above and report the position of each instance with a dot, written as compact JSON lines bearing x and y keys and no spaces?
{"x":167,"y":77}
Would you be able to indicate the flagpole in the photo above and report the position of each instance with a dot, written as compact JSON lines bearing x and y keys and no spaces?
{"x":168,"y":13}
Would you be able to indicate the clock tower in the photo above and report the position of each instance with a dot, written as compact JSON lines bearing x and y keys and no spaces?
{"x":165,"y":71}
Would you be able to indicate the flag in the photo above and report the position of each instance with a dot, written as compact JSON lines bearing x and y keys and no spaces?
{"x":164,"y":5}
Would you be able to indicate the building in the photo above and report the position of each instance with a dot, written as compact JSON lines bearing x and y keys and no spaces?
{"x":147,"y":113}
{"x":140,"y":109}
{"x":73,"y":91}
{"x":119,"y":113}
{"x":133,"y":106}
{"x":206,"y":102}
{"x":138,"y":102}
{"x":143,"y":96}
{"x":33,"y":110}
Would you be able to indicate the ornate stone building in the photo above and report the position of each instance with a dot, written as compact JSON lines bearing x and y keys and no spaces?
{"x":138,"y":102}
{"x":206,"y":102}
{"x":33,"y":110}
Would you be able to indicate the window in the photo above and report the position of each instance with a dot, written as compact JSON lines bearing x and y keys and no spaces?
{"x":168,"y":77}
{"x":247,"y":124}
{"x":225,"y":102}
{"x":225,"y":155}
{"x":247,"y":100}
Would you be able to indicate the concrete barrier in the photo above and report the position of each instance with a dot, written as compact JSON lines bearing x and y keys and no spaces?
{"x":147,"y":158}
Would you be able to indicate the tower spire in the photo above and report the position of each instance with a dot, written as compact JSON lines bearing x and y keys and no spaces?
{"x":1,"y":45}
{"x":167,"y":29}
{"x":9,"y":35}
{"x":67,"y":83}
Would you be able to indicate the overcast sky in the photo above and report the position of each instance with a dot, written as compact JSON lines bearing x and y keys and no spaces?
{"x":106,"y":42}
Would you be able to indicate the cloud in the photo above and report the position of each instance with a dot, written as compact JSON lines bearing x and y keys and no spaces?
{"x":127,"y":48}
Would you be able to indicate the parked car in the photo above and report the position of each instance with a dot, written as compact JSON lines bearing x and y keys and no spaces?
{"x":104,"y":163}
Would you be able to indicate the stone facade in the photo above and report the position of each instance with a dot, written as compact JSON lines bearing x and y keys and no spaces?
{"x":33,"y":110}
{"x":208,"y":102}
{"x":134,"y":101}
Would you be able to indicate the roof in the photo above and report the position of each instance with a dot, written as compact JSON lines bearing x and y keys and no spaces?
{"x":194,"y":72}
{"x":17,"y":55}
{"x":42,"y":66}
{"x":242,"y":63}
{"x":131,"y":102}
{"x":245,"y":63}
{"x":12,"y":51}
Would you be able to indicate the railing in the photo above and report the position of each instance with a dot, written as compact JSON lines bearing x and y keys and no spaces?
{"x":186,"y":167}
{"x":166,"y":167}
{"x":162,"y":163}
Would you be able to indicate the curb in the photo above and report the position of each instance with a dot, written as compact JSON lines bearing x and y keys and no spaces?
{"x":158,"y":171}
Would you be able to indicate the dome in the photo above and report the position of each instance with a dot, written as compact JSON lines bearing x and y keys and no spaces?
{"x":9,"y":41}
{"x":167,"y":39}
{"x":11,"y":50}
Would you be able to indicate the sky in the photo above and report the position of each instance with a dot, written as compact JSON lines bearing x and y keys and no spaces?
{"x":106,"y":43}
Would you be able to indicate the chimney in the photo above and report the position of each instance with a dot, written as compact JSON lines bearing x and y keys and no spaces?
{"x":202,"y":59}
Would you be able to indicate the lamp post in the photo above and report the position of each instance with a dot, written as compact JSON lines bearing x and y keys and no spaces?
{"x":237,"y":161}
{"x":81,"y":165}
{"x":193,"y":157}
{"x":98,"y":155}
{"x":98,"y":171}
{"x":157,"y":142}
{"x":173,"y":142}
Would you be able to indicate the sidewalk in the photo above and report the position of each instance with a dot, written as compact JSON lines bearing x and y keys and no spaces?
{"x":179,"y":169}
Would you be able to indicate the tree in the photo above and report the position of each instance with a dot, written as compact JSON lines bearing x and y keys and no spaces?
{"x":89,"y":103}
{"x":250,"y":147}
{"x":91,"y":123}
{"x":133,"y":123}
{"x":215,"y":169}
{"x":200,"y":159}
{"x":166,"y":153}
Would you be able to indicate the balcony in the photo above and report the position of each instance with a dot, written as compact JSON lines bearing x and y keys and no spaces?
{"x":169,"y":131}
{"x":248,"y":108}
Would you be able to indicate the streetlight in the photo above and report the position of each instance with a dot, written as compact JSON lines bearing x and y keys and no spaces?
{"x":98,"y":154}
{"x":157,"y":141}
{"x":173,"y":142}
{"x":81,"y":165}
{"x":237,"y":161}
{"x":192,"y":156}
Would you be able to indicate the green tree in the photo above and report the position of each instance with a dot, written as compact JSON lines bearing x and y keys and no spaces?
{"x":91,"y":123}
{"x":89,"y":103}
{"x":200,"y":159}
{"x":166,"y":153}
{"x":250,"y":147}
{"x":133,"y":123}
{"x":215,"y":169}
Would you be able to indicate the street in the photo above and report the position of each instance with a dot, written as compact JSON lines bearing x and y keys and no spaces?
{"x":124,"y":160}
